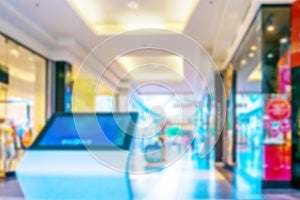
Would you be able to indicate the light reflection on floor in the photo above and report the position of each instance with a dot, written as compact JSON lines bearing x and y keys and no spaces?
{"x":192,"y":178}
{"x":188,"y":178}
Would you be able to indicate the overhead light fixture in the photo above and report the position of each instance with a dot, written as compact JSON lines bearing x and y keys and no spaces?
{"x":253,"y":48}
{"x":14,"y":52}
{"x":271,"y":28}
{"x":251,"y":54}
{"x":243,"y":62}
{"x":268,"y":23}
{"x":284,"y":40}
{"x":133,"y":5}
{"x":96,"y":15}
{"x":270,"y":55}
{"x":169,"y":68}
{"x":30,"y":58}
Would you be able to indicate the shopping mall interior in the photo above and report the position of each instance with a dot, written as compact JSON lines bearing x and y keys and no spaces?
{"x":140,"y":99}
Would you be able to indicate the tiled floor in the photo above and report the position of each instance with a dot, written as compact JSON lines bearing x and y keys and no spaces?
{"x":186,"y":179}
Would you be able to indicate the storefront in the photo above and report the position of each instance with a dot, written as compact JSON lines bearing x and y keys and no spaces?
{"x":258,"y":138}
{"x":22,"y":92}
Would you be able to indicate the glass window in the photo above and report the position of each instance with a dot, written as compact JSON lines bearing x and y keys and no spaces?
{"x":23,"y":95}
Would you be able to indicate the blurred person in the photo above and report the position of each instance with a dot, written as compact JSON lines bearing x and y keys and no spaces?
{"x":8,"y":152}
{"x":186,"y":141}
{"x":162,"y":140}
{"x":15,"y":135}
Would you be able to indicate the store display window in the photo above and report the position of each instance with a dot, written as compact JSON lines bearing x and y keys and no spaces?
{"x":22,"y":90}
{"x":262,"y":99}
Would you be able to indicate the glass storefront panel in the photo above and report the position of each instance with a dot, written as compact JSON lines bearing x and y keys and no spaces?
{"x":263,"y":66}
{"x":276,"y":49}
{"x":23,"y":95}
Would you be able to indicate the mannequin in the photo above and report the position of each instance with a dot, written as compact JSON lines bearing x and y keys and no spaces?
{"x":8,"y":152}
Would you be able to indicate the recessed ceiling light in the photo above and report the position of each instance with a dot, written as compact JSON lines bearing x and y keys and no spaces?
{"x":270,"y":28}
{"x":94,"y":13}
{"x":251,"y":54}
{"x":253,"y":48}
{"x":243,"y":62}
{"x":133,"y":5}
{"x":284,"y":40}
{"x":30,"y":58}
{"x":14,"y":52}
{"x":270,"y":55}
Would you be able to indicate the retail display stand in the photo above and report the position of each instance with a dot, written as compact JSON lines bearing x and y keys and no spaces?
{"x":63,"y":164}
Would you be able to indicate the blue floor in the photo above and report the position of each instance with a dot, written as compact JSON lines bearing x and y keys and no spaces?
{"x":192,"y":178}
{"x":188,"y":178}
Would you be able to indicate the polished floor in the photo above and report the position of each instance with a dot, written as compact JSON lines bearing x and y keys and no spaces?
{"x":192,"y":178}
{"x":188,"y":178}
{"x":185,"y":179}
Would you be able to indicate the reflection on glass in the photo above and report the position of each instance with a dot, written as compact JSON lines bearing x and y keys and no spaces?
{"x":249,"y":114}
{"x":25,"y":100}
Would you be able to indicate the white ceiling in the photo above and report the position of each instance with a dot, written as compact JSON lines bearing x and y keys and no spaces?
{"x":55,"y":30}
{"x":162,"y":68}
{"x":107,"y":18}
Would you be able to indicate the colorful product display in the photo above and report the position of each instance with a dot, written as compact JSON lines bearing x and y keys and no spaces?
{"x":264,"y":146}
{"x":277,"y":140}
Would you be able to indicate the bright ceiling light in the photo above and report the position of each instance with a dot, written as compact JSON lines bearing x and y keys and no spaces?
{"x":14,"y":52}
{"x":284,"y":40}
{"x":251,"y":54}
{"x":133,"y":5}
{"x":103,"y":18}
{"x":253,"y":48}
{"x":243,"y":62}
{"x":270,"y":55}
{"x":169,"y":68}
{"x":270,"y":28}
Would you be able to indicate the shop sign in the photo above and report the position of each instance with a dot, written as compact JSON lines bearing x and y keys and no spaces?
{"x":278,"y":109}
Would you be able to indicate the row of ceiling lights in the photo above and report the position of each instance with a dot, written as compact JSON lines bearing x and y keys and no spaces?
{"x":13,"y":50}
{"x":251,"y":54}
{"x":270,"y":28}
{"x":15,"y":53}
